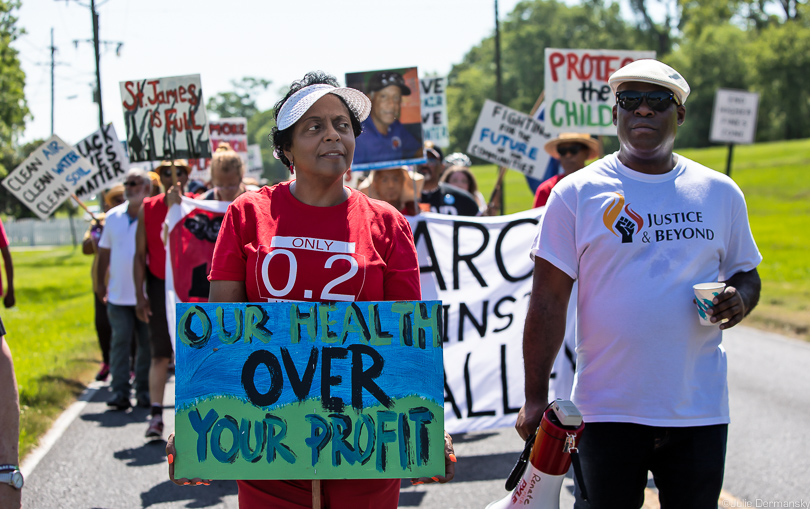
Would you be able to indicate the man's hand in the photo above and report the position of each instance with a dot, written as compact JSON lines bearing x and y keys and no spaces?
{"x":737,"y":299}
{"x":10,"y":498}
{"x":529,"y":418}
{"x":174,"y":195}
{"x":9,"y":300}
{"x":143,"y":309}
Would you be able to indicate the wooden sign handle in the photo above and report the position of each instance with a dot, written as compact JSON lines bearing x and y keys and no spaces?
{"x":82,"y":205}
{"x":316,"y":494}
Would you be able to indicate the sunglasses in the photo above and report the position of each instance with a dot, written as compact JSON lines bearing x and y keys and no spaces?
{"x":131,"y":183}
{"x":658,"y":100}
{"x":168,"y":173}
{"x":570,"y":149}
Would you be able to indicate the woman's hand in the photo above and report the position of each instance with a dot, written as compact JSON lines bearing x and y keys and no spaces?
{"x":449,"y":465}
{"x":171,"y":455}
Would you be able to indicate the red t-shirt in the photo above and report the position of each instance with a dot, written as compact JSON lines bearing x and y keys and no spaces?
{"x":154,"y":214}
{"x":544,"y":190}
{"x":360,"y":250}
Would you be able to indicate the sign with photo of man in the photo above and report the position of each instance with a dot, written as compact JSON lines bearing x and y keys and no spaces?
{"x":392,"y":134}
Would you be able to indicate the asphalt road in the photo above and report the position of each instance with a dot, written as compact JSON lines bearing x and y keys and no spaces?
{"x":101,"y":459}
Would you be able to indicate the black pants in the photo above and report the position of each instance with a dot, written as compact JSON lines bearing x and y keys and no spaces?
{"x":103,"y":329}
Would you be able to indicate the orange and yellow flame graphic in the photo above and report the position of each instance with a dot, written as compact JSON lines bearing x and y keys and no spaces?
{"x":611,"y":214}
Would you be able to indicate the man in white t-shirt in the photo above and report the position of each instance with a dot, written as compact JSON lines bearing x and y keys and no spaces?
{"x":117,"y":251}
{"x":636,"y":230}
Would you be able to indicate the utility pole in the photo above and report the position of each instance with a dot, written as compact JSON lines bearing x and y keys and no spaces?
{"x":53,"y":64}
{"x":499,"y":98}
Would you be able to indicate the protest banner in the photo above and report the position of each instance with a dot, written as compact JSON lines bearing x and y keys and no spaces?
{"x":48,"y":176}
{"x":434,"y":111}
{"x":578,"y":96}
{"x":230,"y":130}
{"x":480,"y":269}
{"x":109,"y":158}
{"x":734,"y":118}
{"x":392,"y":134}
{"x":165,"y":118}
{"x":307,"y":390}
{"x":510,"y":139}
{"x":255,"y":166}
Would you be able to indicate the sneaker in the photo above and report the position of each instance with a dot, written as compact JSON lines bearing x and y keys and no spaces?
{"x":103,"y":373}
{"x":143,"y":400}
{"x":119,"y":401}
{"x":155,"y":429}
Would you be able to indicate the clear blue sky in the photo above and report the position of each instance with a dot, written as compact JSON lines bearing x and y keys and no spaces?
{"x":224,"y":41}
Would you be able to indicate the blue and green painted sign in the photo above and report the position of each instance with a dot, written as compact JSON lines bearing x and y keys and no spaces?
{"x":305,"y":390}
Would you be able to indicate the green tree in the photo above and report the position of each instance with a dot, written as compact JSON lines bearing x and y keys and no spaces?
{"x":241,"y":102}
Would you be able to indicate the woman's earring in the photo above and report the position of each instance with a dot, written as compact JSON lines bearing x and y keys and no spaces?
{"x":292,"y":167}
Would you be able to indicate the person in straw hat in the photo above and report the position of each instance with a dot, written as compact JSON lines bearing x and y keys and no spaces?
{"x":572,"y":150}
{"x":397,"y":186}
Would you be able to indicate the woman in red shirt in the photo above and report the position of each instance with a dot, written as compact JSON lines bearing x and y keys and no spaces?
{"x":371,"y":256}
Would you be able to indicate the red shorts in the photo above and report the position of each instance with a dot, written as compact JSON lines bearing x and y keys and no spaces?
{"x":335,"y":494}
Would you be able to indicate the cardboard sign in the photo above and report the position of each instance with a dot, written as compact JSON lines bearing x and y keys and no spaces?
{"x":392,"y":134}
{"x":734,"y":119}
{"x":306,"y":390}
{"x":578,"y":96}
{"x":255,"y":166}
{"x":48,"y":176}
{"x":230,"y":130}
{"x":510,"y":138}
{"x":434,"y":111}
{"x":165,"y":119}
{"x":109,"y":158}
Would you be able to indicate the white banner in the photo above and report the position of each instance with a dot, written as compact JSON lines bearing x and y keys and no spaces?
{"x":48,"y":176}
{"x":434,"y":111}
{"x":510,"y":138}
{"x":481,"y":271}
{"x":108,"y":156}
{"x":578,"y":96}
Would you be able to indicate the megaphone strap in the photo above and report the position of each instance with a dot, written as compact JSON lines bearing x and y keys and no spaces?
{"x":520,"y":466}
{"x":578,"y":473}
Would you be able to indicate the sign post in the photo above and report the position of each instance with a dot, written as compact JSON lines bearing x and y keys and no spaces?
{"x":734,"y":119}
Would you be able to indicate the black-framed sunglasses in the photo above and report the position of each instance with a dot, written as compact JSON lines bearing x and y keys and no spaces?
{"x":570,"y":149}
{"x":168,"y":173}
{"x":658,"y":100}
{"x":131,"y":183}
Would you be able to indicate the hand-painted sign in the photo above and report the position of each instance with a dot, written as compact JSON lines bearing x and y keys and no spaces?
{"x":230,"y":130}
{"x":435,"y":128}
{"x":510,"y":138}
{"x":109,"y":158}
{"x":165,"y":118}
{"x":734,"y":119}
{"x":578,"y":96}
{"x":306,"y":390}
{"x":48,"y":176}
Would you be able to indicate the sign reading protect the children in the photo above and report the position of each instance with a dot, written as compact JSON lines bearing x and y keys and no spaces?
{"x":306,"y":390}
{"x":578,"y":96}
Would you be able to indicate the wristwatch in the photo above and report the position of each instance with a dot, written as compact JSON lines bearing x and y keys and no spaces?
{"x":12,"y":477}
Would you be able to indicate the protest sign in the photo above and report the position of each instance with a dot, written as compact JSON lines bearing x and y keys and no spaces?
{"x":48,"y":176}
{"x":109,"y":158}
{"x":578,"y":96}
{"x":230,"y":130}
{"x":734,"y":119}
{"x":392,"y":134}
{"x":481,"y":271}
{"x":255,"y":167}
{"x":510,"y":139}
{"x":307,"y":390}
{"x":434,"y":111}
{"x":165,"y":118}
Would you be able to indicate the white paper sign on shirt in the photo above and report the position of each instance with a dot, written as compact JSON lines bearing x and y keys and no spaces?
{"x":578,"y":96}
{"x":434,"y":111}
{"x":734,"y":119}
{"x":109,"y":158}
{"x":510,"y":138}
{"x":48,"y":176}
{"x":481,"y":271}
{"x":255,"y":166}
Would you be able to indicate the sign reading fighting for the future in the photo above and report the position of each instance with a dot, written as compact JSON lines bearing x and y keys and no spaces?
{"x":165,"y":118}
{"x":435,"y":128}
{"x":48,"y":176}
{"x":578,"y":96}
{"x":509,"y":138}
{"x":734,"y":119}
{"x":307,"y":390}
{"x":108,"y":157}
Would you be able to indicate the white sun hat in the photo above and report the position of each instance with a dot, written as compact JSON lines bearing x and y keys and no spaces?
{"x":648,"y":70}
{"x":298,"y":103}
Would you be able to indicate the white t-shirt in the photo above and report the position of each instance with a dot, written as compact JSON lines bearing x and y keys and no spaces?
{"x":637,"y":243}
{"x":119,"y":237}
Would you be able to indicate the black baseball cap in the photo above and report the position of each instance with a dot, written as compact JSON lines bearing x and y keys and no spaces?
{"x":384,"y":79}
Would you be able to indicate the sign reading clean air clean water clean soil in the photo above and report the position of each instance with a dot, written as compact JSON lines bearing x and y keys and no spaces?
{"x":305,"y":390}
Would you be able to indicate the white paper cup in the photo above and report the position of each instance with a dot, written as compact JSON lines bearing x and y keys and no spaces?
{"x":704,"y":293}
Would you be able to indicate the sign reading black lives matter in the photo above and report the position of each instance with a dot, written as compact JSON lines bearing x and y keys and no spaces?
{"x":509,"y":138}
{"x":48,"y":176}
{"x":165,"y":119}
{"x":108,"y":157}
{"x":734,"y":119}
